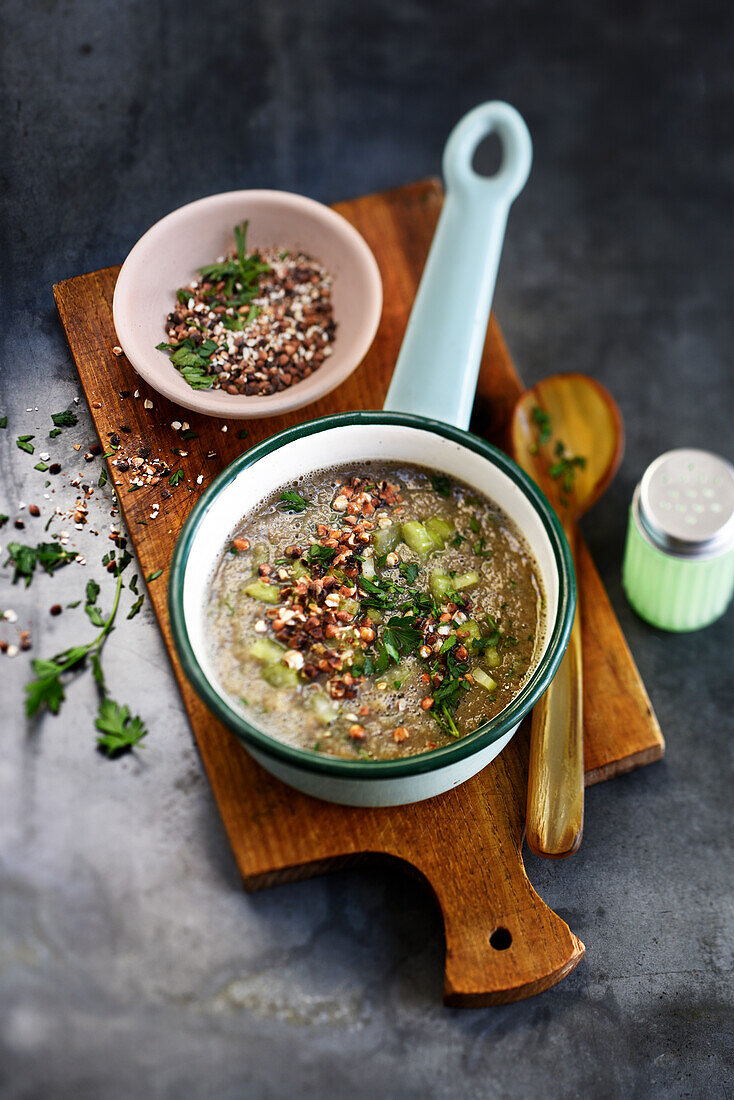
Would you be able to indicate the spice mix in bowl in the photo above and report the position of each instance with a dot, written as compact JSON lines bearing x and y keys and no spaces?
{"x":248,"y":303}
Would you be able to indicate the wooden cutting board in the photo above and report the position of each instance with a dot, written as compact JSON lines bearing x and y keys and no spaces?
{"x":502,"y":941}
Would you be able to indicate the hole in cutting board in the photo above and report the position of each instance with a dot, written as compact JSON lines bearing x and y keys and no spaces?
{"x":487,"y":159}
{"x":500,"y":939}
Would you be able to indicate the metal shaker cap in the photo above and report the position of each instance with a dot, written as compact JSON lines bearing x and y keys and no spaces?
{"x":685,"y":503}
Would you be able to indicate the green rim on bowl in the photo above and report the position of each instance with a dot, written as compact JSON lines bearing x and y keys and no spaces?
{"x":307,"y":759}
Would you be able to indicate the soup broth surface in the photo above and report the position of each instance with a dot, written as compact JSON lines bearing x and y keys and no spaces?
{"x":374,"y":611}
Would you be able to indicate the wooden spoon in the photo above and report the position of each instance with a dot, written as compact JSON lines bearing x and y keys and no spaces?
{"x":567,"y":434}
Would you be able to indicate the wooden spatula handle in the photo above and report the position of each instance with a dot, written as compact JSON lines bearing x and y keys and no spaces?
{"x":555,"y":813}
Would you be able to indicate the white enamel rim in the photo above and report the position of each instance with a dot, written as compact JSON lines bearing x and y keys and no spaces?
{"x":377,"y":437}
{"x":169,"y":254}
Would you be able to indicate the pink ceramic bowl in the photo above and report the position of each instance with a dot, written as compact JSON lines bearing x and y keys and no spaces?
{"x":169,"y":255}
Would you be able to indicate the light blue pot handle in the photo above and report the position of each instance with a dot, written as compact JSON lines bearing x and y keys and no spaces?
{"x":437,"y":369}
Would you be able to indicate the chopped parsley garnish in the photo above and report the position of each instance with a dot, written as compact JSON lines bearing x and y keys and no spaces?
{"x":175,"y":478}
{"x":401,"y":636}
{"x":323,"y":554}
{"x":240,"y":276}
{"x":136,"y":606}
{"x":481,"y":549}
{"x":3,"y":421}
{"x":441,"y":484}
{"x":565,"y":467}
{"x":543,"y":422}
{"x":409,"y":570}
{"x":54,"y":432}
{"x":65,"y":419}
{"x":192,"y":360}
{"x":447,"y":695}
{"x":291,"y":501}
{"x":24,"y":559}
{"x":154,"y":576}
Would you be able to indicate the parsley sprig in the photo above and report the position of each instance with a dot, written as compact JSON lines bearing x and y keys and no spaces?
{"x":119,"y":730}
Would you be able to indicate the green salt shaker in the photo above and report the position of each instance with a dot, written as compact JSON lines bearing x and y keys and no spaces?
{"x":678,"y":570}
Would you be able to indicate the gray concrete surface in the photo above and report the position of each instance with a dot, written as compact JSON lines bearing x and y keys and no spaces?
{"x":131,"y":963}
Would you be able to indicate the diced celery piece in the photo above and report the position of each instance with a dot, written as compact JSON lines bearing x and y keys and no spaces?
{"x":439,"y":584}
{"x":346,"y":603}
{"x":417,"y":538}
{"x":265,"y":649}
{"x":492,"y":657}
{"x":386,"y":539}
{"x":266,"y":593}
{"x":469,"y":630}
{"x":465,"y":580}
{"x":484,"y":679}
{"x":368,"y":568}
{"x":325,"y":711}
{"x":440,"y":530}
{"x":299,"y":569}
{"x":279,"y":675}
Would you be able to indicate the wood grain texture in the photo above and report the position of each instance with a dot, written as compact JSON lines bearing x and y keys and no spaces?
{"x":466,"y":844}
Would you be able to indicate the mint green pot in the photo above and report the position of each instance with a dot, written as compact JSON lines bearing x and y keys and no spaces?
{"x":426,"y":414}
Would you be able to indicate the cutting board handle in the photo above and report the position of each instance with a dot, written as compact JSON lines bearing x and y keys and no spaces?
{"x":503,"y":943}
{"x":438,"y":365}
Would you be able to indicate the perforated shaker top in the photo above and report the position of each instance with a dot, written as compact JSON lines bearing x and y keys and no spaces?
{"x":686,"y":503}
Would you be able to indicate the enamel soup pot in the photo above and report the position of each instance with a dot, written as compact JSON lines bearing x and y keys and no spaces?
{"x":424,"y":423}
